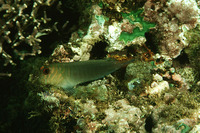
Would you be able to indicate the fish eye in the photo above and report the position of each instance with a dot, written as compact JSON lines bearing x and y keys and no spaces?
{"x":46,"y":71}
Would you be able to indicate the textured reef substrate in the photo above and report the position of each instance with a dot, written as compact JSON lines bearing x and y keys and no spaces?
{"x":157,"y":92}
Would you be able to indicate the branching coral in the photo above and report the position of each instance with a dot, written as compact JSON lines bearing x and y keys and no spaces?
{"x":21,"y":29}
{"x":107,"y":105}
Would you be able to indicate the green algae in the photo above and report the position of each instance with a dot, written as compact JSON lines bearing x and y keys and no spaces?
{"x":100,"y":19}
{"x":138,"y":80}
{"x":133,"y":17}
{"x":193,"y":53}
{"x":133,"y":83}
{"x":52,"y":116}
{"x":186,"y":128}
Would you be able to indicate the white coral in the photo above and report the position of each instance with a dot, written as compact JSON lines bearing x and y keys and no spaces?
{"x":173,"y":20}
{"x":186,"y":11}
{"x":121,"y":118}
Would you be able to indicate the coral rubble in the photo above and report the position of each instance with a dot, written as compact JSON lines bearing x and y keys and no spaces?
{"x":173,"y":19}
{"x":157,"y":92}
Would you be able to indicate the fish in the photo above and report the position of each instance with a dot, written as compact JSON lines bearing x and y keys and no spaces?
{"x":68,"y":75}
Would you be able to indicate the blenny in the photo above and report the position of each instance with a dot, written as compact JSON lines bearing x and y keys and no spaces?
{"x":68,"y":75}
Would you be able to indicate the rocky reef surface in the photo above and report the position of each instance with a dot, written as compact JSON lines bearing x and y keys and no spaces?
{"x":158,"y":92}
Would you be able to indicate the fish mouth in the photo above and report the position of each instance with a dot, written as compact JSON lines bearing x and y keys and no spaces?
{"x":35,"y":78}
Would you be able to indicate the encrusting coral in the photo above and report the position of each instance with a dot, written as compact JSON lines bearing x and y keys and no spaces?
{"x":157,"y":92}
{"x":173,"y":19}
{"x":119,"y":34}
{"x":151,"y":94}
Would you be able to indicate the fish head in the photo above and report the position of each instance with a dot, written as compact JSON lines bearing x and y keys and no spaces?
{"x":49,"y":75}
{"x":45,"y":75}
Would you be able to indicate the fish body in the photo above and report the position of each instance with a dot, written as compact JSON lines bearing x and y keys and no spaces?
{"x":67,"y":75}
